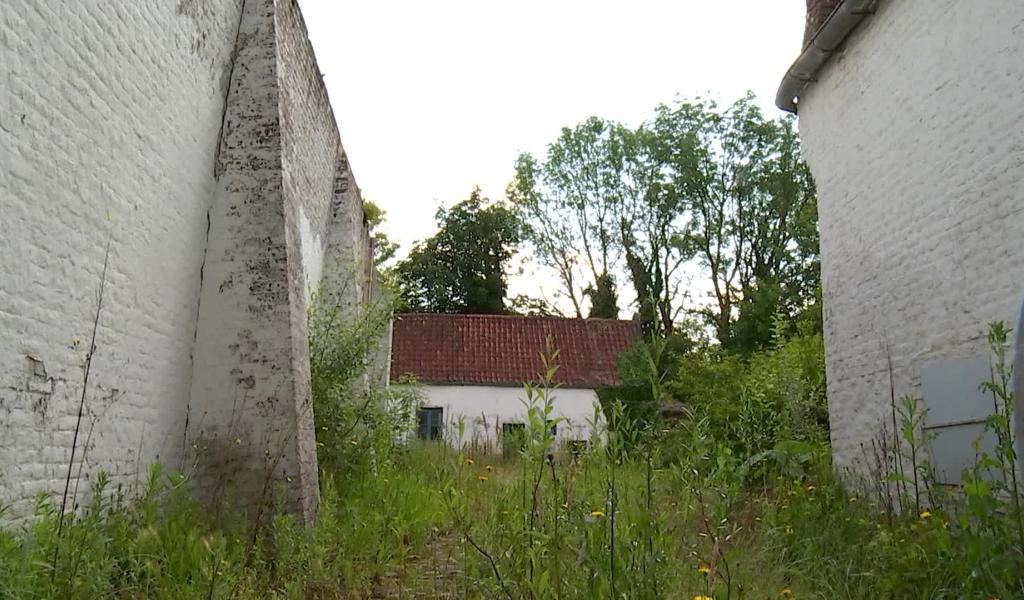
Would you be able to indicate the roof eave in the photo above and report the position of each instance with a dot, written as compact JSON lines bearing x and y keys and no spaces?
{"x":829,"y":37}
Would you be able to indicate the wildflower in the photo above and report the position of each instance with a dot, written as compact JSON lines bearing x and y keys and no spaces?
{"x":811,"y":488}
{"x":789,"y":530}
{"x":489,"y":468}
{"x":703,"y":569}
{"x":925,"y":514}
{"x":701,"y":597}
{"x":468,"y":461}
{"x":565,"y":505}
{"x":482,"y":477}
{"x":785,"y":592}
{"x":597,"y":514}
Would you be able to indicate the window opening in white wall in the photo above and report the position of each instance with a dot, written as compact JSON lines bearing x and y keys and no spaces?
{"x":430,"y":423}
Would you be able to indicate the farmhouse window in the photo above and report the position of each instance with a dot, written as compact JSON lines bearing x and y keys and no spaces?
{"x":431,"y":423}
{"x":513,"y":438}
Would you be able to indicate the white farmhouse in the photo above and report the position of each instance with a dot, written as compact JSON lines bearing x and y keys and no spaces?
{"x":473,"y":368}
{"x":912,"y":122}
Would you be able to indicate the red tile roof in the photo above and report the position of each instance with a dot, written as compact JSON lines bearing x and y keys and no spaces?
{"x":817,"y":12}
{"x":505,"y":350}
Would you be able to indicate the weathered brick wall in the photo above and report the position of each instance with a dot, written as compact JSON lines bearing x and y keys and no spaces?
{"x":914,"y":135}
{"x":200,"y":142}
{"x":109,"y":121}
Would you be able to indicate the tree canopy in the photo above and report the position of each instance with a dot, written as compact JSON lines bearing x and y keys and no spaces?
{"x":696,"y":198}
{"x":462,"y":268}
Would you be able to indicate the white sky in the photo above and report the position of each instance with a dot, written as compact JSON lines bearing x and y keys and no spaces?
{"x":434,"y":97}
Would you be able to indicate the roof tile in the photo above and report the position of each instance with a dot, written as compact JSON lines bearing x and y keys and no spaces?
{"x":505,"y":350}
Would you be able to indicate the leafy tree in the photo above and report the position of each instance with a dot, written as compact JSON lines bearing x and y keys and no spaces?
{"x":383,"y":248}
{"x":604,"y":298}
{"x":752,"y":213}
{"x":462,"y":268}
{"x":600,"y":205}
{"x":567,"y":203}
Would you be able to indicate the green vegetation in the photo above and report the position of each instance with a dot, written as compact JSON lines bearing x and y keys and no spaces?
{"x":462,"y":268}
{"x":721,"y":192}
{"x":736,"y":500}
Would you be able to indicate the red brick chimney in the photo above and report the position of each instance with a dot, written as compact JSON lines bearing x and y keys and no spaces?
{"x":817,"y":12}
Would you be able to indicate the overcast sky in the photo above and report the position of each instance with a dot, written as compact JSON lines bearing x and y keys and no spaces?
{"x":434,"y":97}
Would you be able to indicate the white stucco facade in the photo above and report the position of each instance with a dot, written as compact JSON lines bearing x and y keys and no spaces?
{"x":484,"y":409}
{"x":915,"y":136}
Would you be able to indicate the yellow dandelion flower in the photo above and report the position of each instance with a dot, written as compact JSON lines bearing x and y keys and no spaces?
{"x":482,"y":477}
{"x":925,"y":514}
{"x":703,"y":569}
{"x":489,"y":468}
{"x":702,"y":597}
{"x":811,"y":488}
{"x":786,"y":592}
{"x":597,"y":514}
{"x":468,"y":461}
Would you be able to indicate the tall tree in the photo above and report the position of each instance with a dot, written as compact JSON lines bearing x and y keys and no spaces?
{"x":752,"y":212}
{"x":600,"y":206}
{"x":462,"y":268}
{"x":567,"y":203}
{"x":651,"y":216}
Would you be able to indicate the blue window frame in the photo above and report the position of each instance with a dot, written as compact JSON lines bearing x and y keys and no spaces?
{"x":430,"y":423}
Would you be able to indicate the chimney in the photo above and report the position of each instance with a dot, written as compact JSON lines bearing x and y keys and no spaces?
{"x":817,"y":12}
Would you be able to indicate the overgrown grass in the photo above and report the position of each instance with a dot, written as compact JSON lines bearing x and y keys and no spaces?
{"x":732,"y":502}
{"x":668,"y":530}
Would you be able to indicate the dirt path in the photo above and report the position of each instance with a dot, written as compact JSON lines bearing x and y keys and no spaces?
{"x":433,"y":573}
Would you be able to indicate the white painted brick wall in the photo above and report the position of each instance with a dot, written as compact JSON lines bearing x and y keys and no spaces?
{"x":109,"y":119}
{"x":915,"y":136}
{"x":111,"y":116}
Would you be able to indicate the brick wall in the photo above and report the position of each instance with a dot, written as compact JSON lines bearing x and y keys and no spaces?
{"x":200,"y":143}
{"x":109,"y":120}
{"x":914,"y":136}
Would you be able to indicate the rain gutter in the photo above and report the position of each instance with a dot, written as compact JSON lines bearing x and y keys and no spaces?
{"x":830,"y":36}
